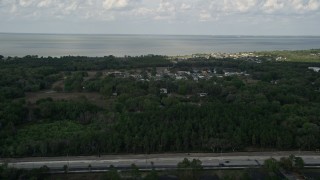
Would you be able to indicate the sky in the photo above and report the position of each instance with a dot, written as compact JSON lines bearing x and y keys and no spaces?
{"x":178,"y":17}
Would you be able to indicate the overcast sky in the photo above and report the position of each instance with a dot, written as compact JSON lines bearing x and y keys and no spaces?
{"x":208,"y":17}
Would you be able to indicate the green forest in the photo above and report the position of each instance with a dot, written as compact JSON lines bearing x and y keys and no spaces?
{"x":150,"y":104}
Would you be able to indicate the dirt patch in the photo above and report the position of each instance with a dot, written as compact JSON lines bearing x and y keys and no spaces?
{"x":94,"y":98}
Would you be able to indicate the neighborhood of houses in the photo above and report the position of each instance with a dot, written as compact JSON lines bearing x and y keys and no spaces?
{"x":163,"y":73}
{"x":194,"y":74}
{"x":218,"y":55}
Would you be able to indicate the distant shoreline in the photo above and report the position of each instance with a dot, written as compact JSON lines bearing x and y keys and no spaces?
{"x":277,"y":54}
{"x":56,"y":45}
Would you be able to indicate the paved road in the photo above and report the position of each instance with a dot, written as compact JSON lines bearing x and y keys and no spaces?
{"x":209,"y":160}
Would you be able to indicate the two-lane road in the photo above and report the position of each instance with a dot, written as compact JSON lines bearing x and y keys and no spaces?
{"x":160,"y":161}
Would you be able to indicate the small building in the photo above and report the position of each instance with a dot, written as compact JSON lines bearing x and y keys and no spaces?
{"x":183,"y":72}
{"x":201,"y":77}
{"x":179,"y":77}
{"x":315,"y":69}
{"x":163,"y":91}
{"x":203,"y":94}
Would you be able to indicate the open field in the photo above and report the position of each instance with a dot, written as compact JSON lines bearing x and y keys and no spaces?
{"x":294,"y":56}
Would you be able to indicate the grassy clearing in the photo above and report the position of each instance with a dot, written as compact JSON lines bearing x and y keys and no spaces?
{"x":294,"y":56}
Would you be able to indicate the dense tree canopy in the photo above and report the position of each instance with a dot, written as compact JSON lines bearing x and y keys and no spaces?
{"x":271,"y":105}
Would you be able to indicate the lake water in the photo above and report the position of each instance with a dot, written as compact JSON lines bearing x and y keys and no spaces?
{"x":120,"y":45}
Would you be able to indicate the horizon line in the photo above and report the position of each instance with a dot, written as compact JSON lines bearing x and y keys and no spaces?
{"x":137,"y":34}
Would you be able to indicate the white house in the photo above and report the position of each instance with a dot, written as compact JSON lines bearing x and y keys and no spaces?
{"x":315,"y":69}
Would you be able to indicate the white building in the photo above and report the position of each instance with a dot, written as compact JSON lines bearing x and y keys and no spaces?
{"x":315,"y":69}
{"x":163,"y":91}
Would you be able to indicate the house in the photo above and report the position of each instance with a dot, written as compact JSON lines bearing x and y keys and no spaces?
{"x":315,"y":69}
{"x":163,"y":91}
{"x":203,"y":94}
{"x":180,"y":77}
{"x":183,"y":72}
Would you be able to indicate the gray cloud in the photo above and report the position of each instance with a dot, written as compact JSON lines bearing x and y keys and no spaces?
{"x":163,"y":9}
{"x":178,"y":12}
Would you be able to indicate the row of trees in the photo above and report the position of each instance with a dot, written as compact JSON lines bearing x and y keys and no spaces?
{"x":80,"y":63}
{"x":10,"y":173}
{"x":291,"y":163}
